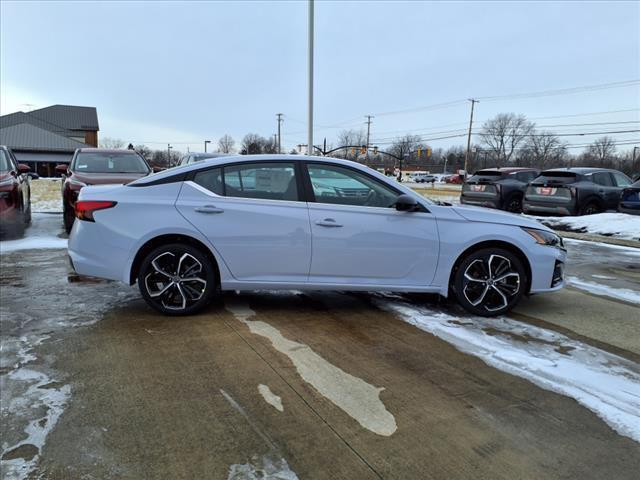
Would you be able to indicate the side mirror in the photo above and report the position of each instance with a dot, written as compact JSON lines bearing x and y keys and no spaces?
{"x":406,"y":203}
{"x":22,"y":168}
{"x":62,"y":169}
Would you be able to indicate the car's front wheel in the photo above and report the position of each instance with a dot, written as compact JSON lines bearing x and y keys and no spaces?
{"x":177,"y":279}
{"x":489,"y":282}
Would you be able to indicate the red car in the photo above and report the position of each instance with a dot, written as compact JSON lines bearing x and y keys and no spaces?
{"x":455,"y":179}
{"x":15,"y":194}
{"x":97,"y":166}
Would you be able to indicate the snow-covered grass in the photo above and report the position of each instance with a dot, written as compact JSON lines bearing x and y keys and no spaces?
{"x":619,"y":225}
{"x":45,"y":195}
{"x":606,"y":384}
{"x":604,"y":290}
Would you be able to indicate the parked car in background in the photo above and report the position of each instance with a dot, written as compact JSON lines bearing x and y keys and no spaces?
{"x":15,"y":194}
{"x":423,"y":178}
{"x":198,"y":157}
{"x":249,"y":222}
{"x":501,"y":188}
{"x":454,"y":179}
{"x":97,"y":166}
{"x":630,"y":199}
{"x":575,"y":191}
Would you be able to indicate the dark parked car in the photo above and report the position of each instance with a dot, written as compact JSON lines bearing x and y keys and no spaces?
{"x":97,"y":166}
{"x":501,"y":188}
{"x":630,"y":199}
{"x":15,"y":194}
{"x":575,"y":191}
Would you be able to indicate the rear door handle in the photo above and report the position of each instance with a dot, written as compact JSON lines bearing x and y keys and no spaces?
{"x":328,"y":222}
{"x":209,"y":209}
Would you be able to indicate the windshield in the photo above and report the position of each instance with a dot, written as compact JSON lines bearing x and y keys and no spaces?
{"x":103,"y":162}
{"x":556,"y":177}
{"x":5,"y":164}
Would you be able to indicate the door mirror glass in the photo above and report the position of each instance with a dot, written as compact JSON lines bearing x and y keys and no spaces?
{"x":406,"y":203}
{"x":22,"y":168}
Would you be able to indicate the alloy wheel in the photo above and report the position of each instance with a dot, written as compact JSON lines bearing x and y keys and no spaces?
{"x":175,"y":281}
{"x":491,"y":282}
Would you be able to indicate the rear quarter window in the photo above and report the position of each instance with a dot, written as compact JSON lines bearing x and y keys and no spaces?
{"x":602,"y":178}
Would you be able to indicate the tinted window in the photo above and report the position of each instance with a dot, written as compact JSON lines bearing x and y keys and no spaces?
{"x":103,"y":162}
{"x":5,"y":164}
{"x":602,"y":178}
{"x":343,"y":186}
{"x":561,"y":178}
{"x":211,"y":180}
{"x":525,"y":177}
{"x":269,"y":181}
{"x":621,"y":179}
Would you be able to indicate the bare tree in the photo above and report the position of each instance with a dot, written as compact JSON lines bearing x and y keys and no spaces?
{"x":226,"y":144}
{"x":351,"y":138}
{"x":145,"y":151}
{"x":603,"y":149}
{"x":544,"y":147}
{"x":405,"y":147}
{"x":251,"y":144}
{"x":108,"y":142}
{"x":503,"y":133}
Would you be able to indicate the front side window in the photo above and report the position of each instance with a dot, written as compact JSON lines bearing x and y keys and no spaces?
{"x":621,"y":179}
{"x":268,"y":181}
{"x":102,"y":162}
{"x":5,"y":163}
{"x":343,"y":186}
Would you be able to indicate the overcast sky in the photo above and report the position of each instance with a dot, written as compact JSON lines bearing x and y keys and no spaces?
{"x":184,"y":72}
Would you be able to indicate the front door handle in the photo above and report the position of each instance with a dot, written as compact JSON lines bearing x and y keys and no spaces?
{"x":328,"y":222}
{"x":209,"y":209}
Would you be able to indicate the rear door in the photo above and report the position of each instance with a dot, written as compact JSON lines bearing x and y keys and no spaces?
{"x":254,"y":217}
{"x":360,"y":238}
{"x":608,"y":191}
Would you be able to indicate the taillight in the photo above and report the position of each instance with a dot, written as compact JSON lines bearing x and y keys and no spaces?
{"x":85,"y":208}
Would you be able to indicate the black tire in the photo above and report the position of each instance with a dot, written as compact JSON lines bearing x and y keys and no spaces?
{"x":27,"y":214}
{"x":165,"y":289}
{"x":590,"y":208}
{"x":493,"y":292}
{"x":68,"y":217}
{"x":514,"y":204}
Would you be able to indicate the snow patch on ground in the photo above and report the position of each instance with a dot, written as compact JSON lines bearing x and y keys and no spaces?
{"x":262,"y":468}
{"x":619,"y":225}
{"x":606,"y":384}
{"x":357,"y":398}
{"x":32,"y":243}
{"x":605,"y":291}
{"x":271,"y":398}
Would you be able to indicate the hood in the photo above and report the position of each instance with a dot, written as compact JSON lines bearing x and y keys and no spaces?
{"x":487,"y":215}
{"x":106,"y":178}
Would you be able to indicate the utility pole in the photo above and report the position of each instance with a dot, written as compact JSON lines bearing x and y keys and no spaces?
{"x":205,"y":145}
{"x":310,"y":119}
{"x":169,"y":147}
{"x":633,"y":160}
{"x":280,"y":120}
{"x":466,"y":156}
{"x":368,"y":117}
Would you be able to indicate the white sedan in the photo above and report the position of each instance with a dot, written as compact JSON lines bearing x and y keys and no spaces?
{"x":303,"y":222}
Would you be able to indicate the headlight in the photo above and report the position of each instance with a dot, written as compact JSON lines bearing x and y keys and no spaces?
{"x":544,"y":237}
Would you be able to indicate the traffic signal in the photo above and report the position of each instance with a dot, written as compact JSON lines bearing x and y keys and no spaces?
{"x":428,"y":152}
{"x":419,"y":152}
{"x":375,"y":150}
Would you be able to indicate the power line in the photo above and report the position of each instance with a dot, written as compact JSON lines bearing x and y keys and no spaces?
{"x":564,"y":91}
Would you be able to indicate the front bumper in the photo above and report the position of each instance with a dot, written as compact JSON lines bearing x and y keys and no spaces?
{"x":632,"y":208}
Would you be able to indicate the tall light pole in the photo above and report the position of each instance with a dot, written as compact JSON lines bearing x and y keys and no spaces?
{"x":169,"y":147}
{"x":310,"y":54}
{"x":205,"y":145}
{"x":368,"y":117}
{"x":280,"y":120}
{"x":466,"y":155}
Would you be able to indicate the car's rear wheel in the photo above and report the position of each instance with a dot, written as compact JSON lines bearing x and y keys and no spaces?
{"x":590,"y":208}
{"x":489,"y":282}
{"x":514,"y":204}
{"x":177,"y":279}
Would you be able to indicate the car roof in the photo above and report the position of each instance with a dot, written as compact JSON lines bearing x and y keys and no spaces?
{"x":580,"y":170}
{"x":223,"y":160}
{"x":106,"y":150}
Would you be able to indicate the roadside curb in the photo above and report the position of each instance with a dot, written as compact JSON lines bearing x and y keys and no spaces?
{"x":588,"y":237}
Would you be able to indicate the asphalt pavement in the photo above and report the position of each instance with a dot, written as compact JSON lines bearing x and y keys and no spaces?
{"x":307,"y":384}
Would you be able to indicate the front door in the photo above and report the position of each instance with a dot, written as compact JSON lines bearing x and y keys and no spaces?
{"x":252,"y":215}
{"x":360,"y":238}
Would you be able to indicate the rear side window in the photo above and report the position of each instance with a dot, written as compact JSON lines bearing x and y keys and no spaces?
{"x":211,"y":180}
{"x":526,"y":177}
{"x":561,"y":178}
{"x":268,"y":181}
{"x":602,"y":178}
{"x":621,"y":179}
